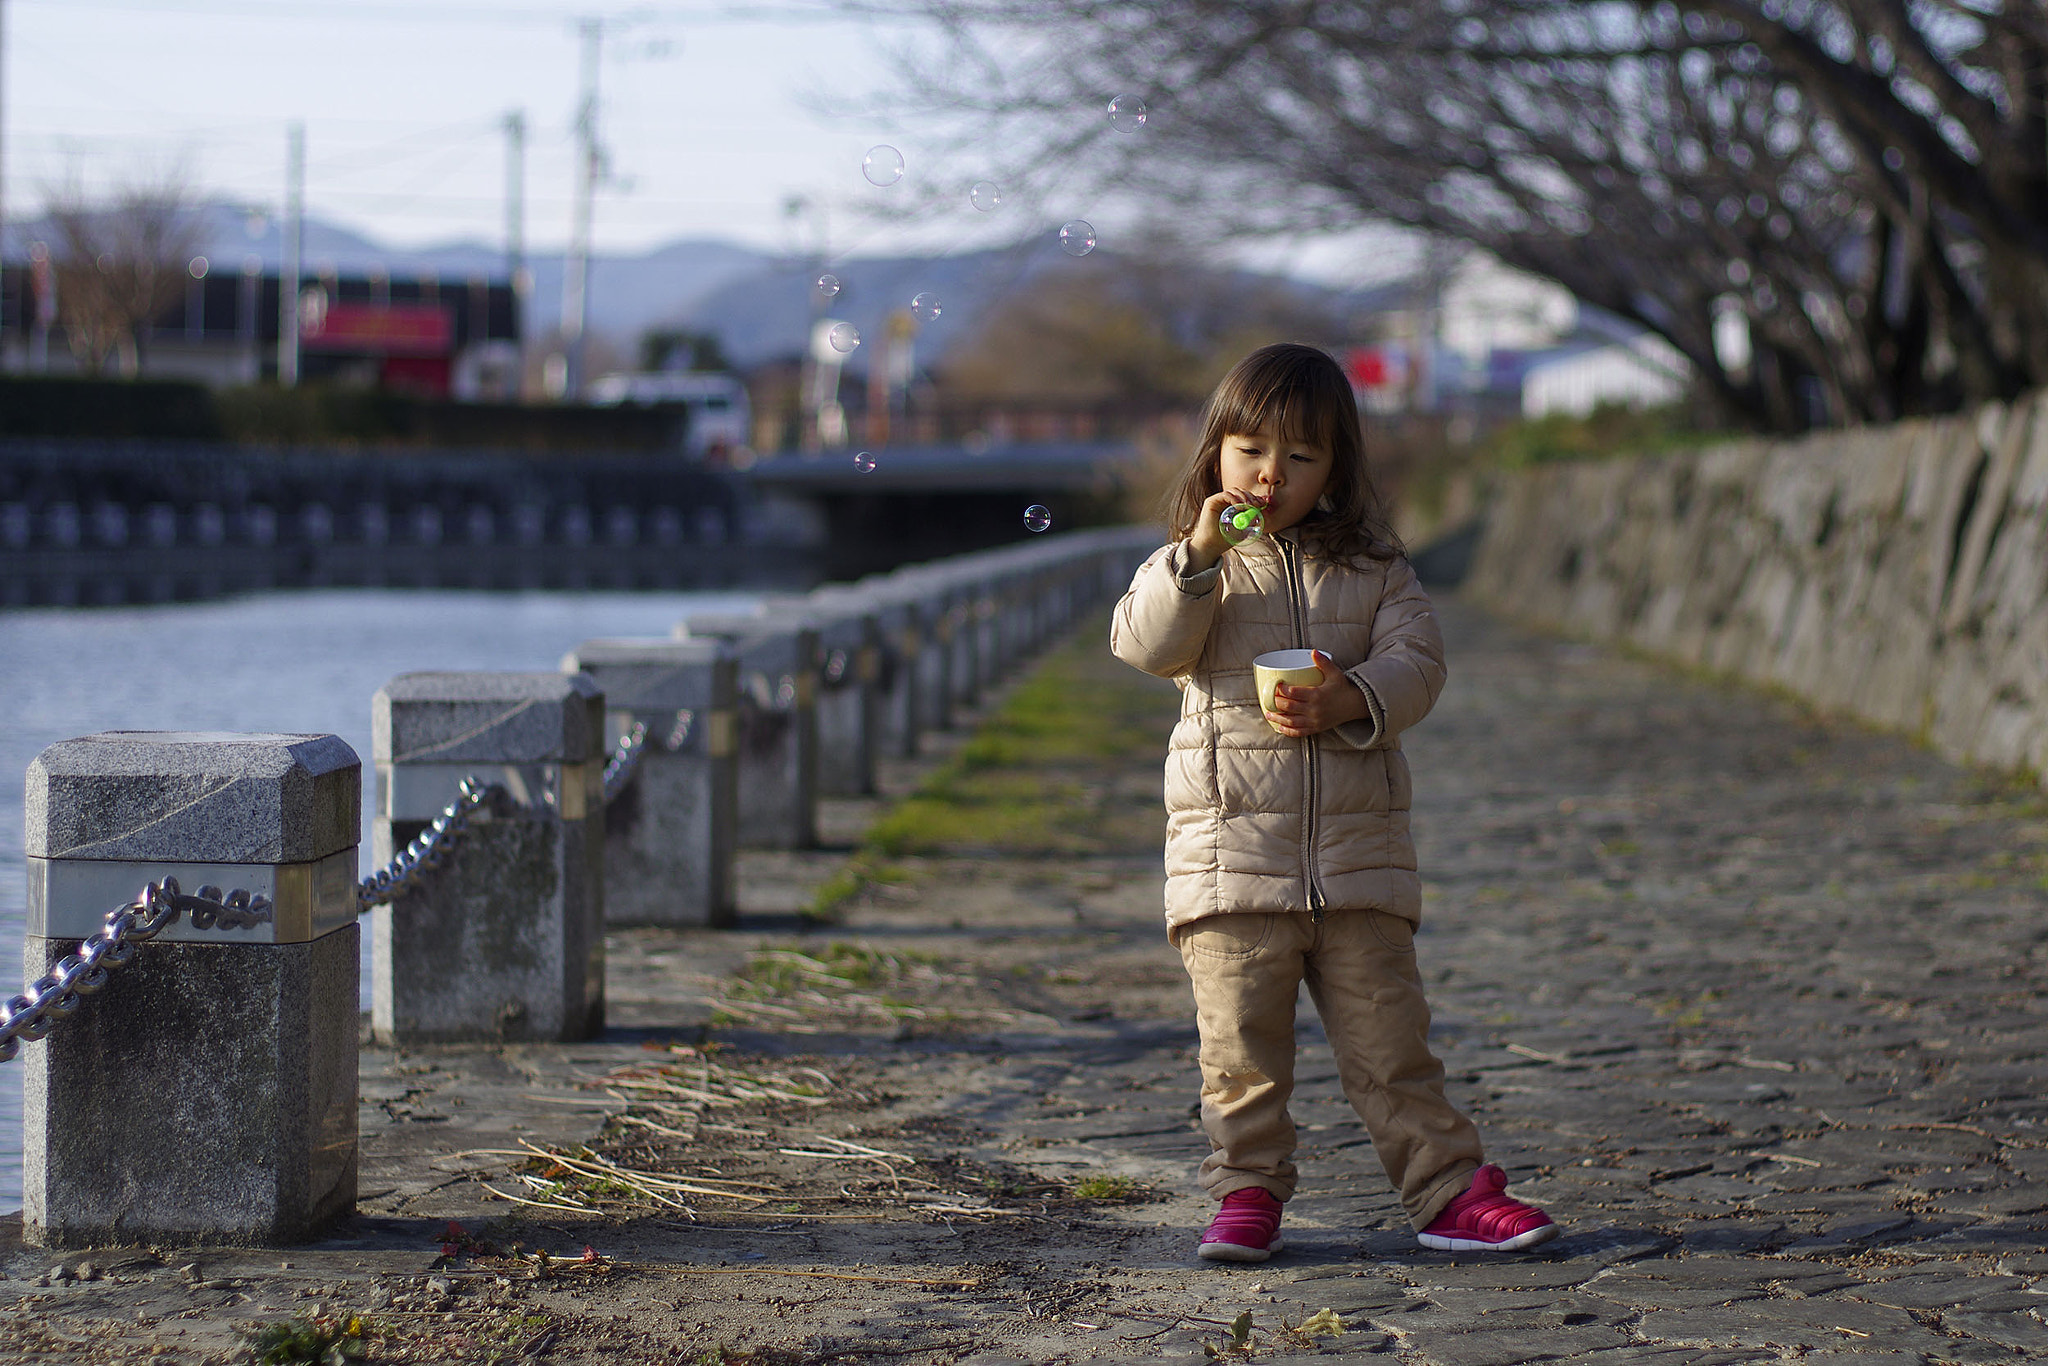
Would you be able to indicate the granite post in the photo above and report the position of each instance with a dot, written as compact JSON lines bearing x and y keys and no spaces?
{"x":778,"y":723}
{"x":849,"y":694}
{"x":671,"y":832}
{"x":933,"y":658}
{"x":897,"y":702}
{"x":207,"y":1094}
{"x":506,"y":940}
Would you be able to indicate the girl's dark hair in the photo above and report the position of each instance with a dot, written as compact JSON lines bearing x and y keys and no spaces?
{"x":1299,"y":393}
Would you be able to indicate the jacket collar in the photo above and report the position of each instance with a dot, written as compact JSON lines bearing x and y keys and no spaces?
{"x":1263,"y":545}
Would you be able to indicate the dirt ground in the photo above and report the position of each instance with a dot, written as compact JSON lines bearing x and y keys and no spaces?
{"x":1745,"y":996}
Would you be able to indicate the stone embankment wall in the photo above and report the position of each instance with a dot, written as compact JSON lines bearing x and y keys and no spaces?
{"x":1898,"y":573}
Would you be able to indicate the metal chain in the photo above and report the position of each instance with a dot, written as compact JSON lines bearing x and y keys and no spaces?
{"x":428,"y":849}
{"x":624,"y":765}
{"x":769,"y":695}
{"x":75,"y":976}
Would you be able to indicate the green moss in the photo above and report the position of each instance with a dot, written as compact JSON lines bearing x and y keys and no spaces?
{"x":1107,"y":1189}
{"x":1027,"y":781}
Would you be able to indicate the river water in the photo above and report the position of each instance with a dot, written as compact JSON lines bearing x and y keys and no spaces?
{"x":291,"y":661}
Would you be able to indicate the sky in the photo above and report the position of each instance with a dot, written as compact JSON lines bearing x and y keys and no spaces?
{"x":715,"y":115}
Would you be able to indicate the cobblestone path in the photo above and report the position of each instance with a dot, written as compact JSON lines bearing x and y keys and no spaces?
{"x":1749,"y":998}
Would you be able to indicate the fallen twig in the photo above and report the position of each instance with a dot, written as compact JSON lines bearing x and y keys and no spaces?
{"x":537,"y":1204}
{"x":960,"y":1282}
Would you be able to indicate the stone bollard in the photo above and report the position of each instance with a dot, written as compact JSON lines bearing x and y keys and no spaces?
{"x":778,"y":724}
{"x":506,"y":939}
{"x":898,"y":704}
{"x":849,"y":693}
{"x":932,"y":658}
{"x":963,"y":610}
{"x":670,"y":833}
{"x":208,"y":1093}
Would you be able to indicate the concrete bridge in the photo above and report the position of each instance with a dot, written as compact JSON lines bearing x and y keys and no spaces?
{"x":946,"y":498}
{"x":114,"y":521}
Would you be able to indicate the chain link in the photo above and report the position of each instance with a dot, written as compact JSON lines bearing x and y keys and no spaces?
{"x":624,"y":765}
{"x":61,"y":991}
{"x":428,"y":850}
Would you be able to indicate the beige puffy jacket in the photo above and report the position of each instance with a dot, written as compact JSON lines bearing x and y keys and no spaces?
{"x":1256,"y":820}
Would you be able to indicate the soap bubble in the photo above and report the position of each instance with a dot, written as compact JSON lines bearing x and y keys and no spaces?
{"x":985,"y":195}
{"x":828,"y":286}
{"x":1036,"y":518}
{"x":863,"y":463}
{"x":1077,"y":238}
{"x":843,"y":336}
{"x":882,"y":165}
{"x":1127,"y":113}
{"x":924,"y":307}
{"x":1242,"y":522}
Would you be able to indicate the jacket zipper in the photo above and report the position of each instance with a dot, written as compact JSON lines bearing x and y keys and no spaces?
{"x":1298,"y":612}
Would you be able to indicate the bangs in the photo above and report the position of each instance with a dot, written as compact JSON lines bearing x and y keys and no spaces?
{"x":1285,"y":405}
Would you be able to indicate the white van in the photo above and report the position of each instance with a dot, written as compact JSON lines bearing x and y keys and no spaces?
{"x":721,"y":419}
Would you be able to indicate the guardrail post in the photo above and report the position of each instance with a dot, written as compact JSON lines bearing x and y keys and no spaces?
{"x":670,"y":833}
{"x":507,"y":941}
{"x":778,"y":724}
{"x":208,"y":1092}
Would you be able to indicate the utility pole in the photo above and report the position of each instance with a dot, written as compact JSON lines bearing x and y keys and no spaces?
{"x":515,"y":231}
{"x":3,"y":168}
{"x":589,"y":164}
{"x":294,"y":241}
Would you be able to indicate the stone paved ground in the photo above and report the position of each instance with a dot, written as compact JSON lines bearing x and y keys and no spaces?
{"x":1747,"y":997}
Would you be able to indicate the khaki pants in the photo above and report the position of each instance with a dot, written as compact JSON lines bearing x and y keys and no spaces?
{"x":1360,"y":968}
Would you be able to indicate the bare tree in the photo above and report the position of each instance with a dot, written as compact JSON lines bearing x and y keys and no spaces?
{"x":1865,"y":185}
{"x":1152,"y":327}
{"x":120,"y":266}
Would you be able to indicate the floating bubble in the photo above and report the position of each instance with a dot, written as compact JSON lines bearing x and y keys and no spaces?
{"x":1242,"y":522}
{"x":882,"y":165}
{"x":924,"y":307}
{"x":863,"y":463}
{"x":843,"y":336}
{"x":828,"y":286}
{"x":198,"y":267}
{"x":1036,"y":518}
{"x":986,"y":195}
{"x":1077,"y":238}
{"x":1127,"y":113}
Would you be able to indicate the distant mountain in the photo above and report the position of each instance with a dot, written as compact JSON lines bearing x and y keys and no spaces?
{"x":768,"y":314}
{"x":759,"y":305}
{"x":628,"y":293}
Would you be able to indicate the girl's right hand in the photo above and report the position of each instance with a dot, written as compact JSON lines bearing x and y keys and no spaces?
{"x":1207,"y":545}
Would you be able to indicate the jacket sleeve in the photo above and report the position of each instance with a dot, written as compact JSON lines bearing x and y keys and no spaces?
{"x":1404,"y":671}
{"x":1162,"y":623}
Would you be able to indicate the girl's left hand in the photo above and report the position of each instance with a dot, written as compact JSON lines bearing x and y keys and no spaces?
{"x":1302,"y":711}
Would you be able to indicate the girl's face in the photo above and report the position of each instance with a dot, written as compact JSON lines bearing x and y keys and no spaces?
{"x":1286,"y":477}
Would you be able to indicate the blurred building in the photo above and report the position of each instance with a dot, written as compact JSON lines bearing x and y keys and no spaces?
{"x":1487,"y":343}
{"x":412,"y":334}
{"x":1643,"y":371}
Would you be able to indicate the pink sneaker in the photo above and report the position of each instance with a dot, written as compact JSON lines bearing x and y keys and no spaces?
{"x":1486,"y":1219}
{"x":1246,"y":1229}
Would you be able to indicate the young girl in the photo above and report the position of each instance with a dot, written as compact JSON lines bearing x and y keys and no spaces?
{"x":1287,"y":849}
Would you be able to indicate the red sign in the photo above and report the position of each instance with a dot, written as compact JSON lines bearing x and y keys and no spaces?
{"x":1375,"y":367}
{"x":379,"y":329}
